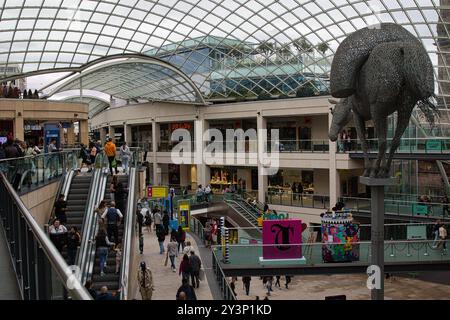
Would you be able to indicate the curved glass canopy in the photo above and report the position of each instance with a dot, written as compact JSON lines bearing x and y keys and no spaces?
{"x":96,"y":104}
{"x":229,"y":49}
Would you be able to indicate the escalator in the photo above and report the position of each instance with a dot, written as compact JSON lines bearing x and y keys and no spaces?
{"x":76,"y":201}
{"x":110,"y":279}
{"x":237,"y":206}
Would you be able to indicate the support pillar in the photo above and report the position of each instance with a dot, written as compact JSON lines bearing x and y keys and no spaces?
{"x":262,"y":147}
{"x":84,"y":132}
{"x":103,"y":135}
{"x":203,"y":170}
{"x":111,"y":133}
{"x":71,"y":135}
{"x":155,"y":141}
{"x":19,"y":132}
{"x":128,"y":138}
{"x":335,"y":183}
{"x":377,"y":229}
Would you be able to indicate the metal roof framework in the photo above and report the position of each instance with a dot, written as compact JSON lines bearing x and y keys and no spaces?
{"x":44,"y":35}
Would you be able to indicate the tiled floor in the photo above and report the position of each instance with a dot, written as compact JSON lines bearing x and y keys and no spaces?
{"x":167,"y":282}
{"x":351,"y":285}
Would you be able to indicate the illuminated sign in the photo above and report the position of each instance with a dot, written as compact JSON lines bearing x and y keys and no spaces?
{"x":157,"y":192}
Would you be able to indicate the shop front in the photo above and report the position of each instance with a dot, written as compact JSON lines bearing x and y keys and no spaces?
{"x":232,"y":178}
{"x":166,"y":129}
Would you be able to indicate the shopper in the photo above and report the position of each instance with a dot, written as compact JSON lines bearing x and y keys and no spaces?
{"x":113,"y":217}
{"x":185,"y":269}
{"x":120,"y":197}
{"x":125,"y":157}
{"x":113,"y":187}
{"x":58,"y":234}
{"x":188,"y":290}
{"x":277,"y":282}
{"x":92,"y":154}
{"x":442,"y":237}
{"x":196,"y":265}
{"x":188,"y":248}
{"x":172,"y":252}
{"x":110,"y":150}
{"x":161,"y":235}
{"x":435,"y":233}
{"x":103,"y":244}
{"x":118,"y":250}
{"x":181,"y":238}
{"x":105,"y":295}
{"x":61,"y":209}
{"x":157,"y":219}
{"x":233,"y":285}
{"x":288,"y":280}
{"x":73,"y":241}
{"x":165,"y":222}
{"x":445,"y":209}
{"x":145,"y":280}
{"x":246,"y":281}
{"x":101,"y":209}
{"x":269,"y":282}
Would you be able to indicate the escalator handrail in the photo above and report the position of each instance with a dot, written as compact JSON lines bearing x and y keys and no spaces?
{"x":129,"y":233}
{"x":75,"y":290}
{"x":229,"y":202}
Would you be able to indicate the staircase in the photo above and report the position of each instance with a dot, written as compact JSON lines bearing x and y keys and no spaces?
{"x":110,"y":279}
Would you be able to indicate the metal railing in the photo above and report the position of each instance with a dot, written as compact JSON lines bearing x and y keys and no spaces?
{"x":298,"y":200}
{"x":86,"y":254}
{"x":224,"y":285}
{"x":129,"y":227}
{"x":30,"y":172}
{"x":431,"y":145}
{"x":41,"y":271}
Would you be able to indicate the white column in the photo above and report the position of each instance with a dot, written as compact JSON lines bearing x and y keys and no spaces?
{"x":103,"y":135}
{"x":262,"y":147}
{"x":203,"y":170}
{"x":127,"y":134}
{"x":335,"y":184}
{"x":155,"y":142}
{"x":111,"y":133}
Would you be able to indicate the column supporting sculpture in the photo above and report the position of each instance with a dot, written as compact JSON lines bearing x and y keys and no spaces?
{"x":376,"y":186}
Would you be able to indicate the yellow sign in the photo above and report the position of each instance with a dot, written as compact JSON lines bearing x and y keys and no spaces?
{"x":157,"y":192}
{"x":184,"y":215}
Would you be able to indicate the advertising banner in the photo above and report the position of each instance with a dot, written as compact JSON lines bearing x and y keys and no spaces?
{"x":157,"y":192}
{"x":282,"y":239}
{"x":184,"y":215}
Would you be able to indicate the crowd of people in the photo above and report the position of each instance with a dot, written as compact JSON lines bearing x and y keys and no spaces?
{"x":267,"y":282}
{"x":13,"y":92}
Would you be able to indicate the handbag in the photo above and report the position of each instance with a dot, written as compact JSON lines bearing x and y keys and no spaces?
{"x":114,"y":163}
{"x":201,"y":274}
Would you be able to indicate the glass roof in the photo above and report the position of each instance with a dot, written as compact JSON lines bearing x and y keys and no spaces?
{"x":229,"y":49}
{"x":133,"y":79}
{"x":96,"y":105}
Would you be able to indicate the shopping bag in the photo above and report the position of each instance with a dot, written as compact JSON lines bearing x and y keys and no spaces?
{"x":114,"y":163}
{"x":167,"y":260}
{"x":201,"y":275}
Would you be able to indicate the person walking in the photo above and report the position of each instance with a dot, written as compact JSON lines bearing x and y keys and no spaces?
{"x":246,"y":281}
{"x":188,"y":248}
{"x":113,"y":217}
{"x":120,"y":197}
{"x":196,"y":265}
{"x":92,"y":154}
{"x":445,"y":209}
{"x":187,"y":289}
{"x":435,"y":233}
{"x":125,"y":157}
{"x":157,"y":219}
{"x":161,"y":235}
{"x":58,"y":234}
{"x":166,"y":222}
{"x":113,"y":187}
{"x":294,"y":191}
{"x":277,"y":282}
{"x":172,"y":252}
{"x":118,"y":250}
{"x":73,"y":241}
{"x":181,"y":238}
{"x":185,"y":269}
{"x":110,"y":150}
{"x":145,"y":280}
{"x":61,"y":209}
{"x":288,"y":280}
{"x":101,"y":209}
{"x":442,"y":237}
{"x":269,"y":282}
{"x":103,"y":244}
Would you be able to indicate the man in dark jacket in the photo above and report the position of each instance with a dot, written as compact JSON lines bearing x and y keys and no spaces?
{"x":105,"y":295}
{"x":187,"y":289}
{"x":165,"y":221}
{"x":196,"y":265}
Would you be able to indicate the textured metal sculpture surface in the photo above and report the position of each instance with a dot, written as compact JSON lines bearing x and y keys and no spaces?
{"x":378,"y":72}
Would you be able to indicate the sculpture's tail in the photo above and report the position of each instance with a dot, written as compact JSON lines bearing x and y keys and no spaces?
{"x":429,"y":108}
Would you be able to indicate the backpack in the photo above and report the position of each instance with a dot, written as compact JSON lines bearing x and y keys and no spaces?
{"x":112,"y":216}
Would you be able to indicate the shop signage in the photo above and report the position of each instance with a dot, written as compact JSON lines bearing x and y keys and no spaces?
{"x":182,"y":125}
{"x":420,"y":209}
{"x":184,"y":215}
{"x":282,"y":239}
{"x":157,"y":192}
{"x":433,"y":145}
{"x":416,"y":232}
{"x":272,"y":216}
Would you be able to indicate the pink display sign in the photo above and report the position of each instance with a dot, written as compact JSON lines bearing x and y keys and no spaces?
{"x":286,"y":238}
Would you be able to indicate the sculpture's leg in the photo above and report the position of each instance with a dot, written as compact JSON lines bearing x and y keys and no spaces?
{"x":361,"y":131}
{"x":381,"y":129}
{"x":402,"y":123}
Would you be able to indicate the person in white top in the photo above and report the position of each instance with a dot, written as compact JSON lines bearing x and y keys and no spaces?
{"x":113,"y":218}
{"x":188,"y":248}
{"x":442,"y":237}
{"x":58,"y":233}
